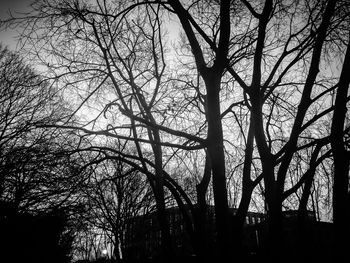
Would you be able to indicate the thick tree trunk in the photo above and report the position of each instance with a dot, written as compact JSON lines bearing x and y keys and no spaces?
{"x":167,"y":253}
{"x":275,"y":244}
{"x":303,"y":232}
{"x":247,"y":190}
{"x":203,"y":248}
{"x":273,"y":200}
{"x":217,"y":157}
{"x":212,"y":78}
{"x":116,"y":252}
{"x":273,"y":197}
{"x":341,"y":205}
{"x":200,"y":228}
{"x":239,"y":220}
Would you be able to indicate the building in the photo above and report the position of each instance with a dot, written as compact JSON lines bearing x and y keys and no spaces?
{"x":142,"y":237}
{"x":312,"y":240}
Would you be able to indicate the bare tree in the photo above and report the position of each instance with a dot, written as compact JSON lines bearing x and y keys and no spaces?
{"x":250,"y":77}
{"x":34,"y":167}
{"x":340,"y":148}
{"x":114,"y":196}
{"x":38,"y":177}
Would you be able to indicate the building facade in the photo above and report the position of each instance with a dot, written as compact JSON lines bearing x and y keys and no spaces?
{"x":142,"y":238}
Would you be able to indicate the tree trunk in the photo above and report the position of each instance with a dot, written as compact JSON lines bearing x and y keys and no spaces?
{"x":247,"y":190}
{"x":217,"y":157}
{"x":167,"y":253}
{"x":203,"y":248}
{"x":275,"y":244}
{"x":116,"y":252}
{"x":272,"y":195}
{"x":238,"y":222}
{"x":303,"y":233}
{"x":200,"y":228}
{"x":341,"y":210}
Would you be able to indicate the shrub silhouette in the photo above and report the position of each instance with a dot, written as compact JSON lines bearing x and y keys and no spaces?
{"x":33,"y":238}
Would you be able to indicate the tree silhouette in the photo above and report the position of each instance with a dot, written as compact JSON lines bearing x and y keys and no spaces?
{"x":116,"y":194}
{"x":250,"y":84}
{"x":36,"y":186}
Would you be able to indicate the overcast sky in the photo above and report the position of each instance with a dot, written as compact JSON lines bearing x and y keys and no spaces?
{"x":7,"y":37}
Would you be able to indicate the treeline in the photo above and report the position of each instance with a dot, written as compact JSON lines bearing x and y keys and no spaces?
{"x":144,"y":105}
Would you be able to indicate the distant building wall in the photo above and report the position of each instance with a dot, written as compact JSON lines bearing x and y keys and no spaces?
{"x":143,"y":236}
